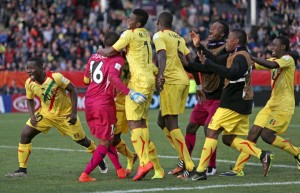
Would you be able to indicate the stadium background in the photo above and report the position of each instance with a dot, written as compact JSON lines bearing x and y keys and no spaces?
{"x":66,"y":32}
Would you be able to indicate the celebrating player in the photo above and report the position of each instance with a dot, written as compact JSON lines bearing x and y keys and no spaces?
{"x":136,"y":40}
{"x":57,"y":110}
{"x":172,"y":83}
{"x":232,"y":116}
{"x":275,"y":117}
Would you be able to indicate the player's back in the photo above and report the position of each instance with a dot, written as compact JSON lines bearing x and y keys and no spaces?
{"x":100,"y":92}
{"x":171,"y":42}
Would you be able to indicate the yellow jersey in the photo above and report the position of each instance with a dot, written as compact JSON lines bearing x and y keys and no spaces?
{"x":52,"y":94}
{"x":138,"y":55}
{"x":282,"y":97}
{"x":172,"y":42}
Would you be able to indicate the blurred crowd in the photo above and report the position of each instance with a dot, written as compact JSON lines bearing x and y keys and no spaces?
{"x":66,"y":32}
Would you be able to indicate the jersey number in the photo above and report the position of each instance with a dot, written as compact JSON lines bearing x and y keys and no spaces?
{"x":96,"y":73}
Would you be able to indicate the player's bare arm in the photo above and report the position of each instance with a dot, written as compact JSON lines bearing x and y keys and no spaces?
{"x":162,"y":58}
{"x":73,"y":94}
{"x":30,"y":105}
{"x":265,"y":63}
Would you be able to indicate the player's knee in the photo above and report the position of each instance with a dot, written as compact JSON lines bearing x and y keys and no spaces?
{"x":84,"y":142}
{"x":192,"y":128}
{"x":267,"y":137}
{"x":116,"y":141}
{"x":160,"y":124}
{"x":227,"y":140}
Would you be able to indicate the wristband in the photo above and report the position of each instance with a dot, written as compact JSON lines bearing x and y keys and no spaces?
{"x":199,"y":87}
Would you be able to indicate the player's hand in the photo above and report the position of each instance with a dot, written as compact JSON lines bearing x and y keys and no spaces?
{"x":137,"y":97}
{"x":34,"y":121}
{"x":200,"y":96}
{"x":160,"y":81}
{"x":202,"y":57}
{"x":72,"y":118}
{"x":195,"y":38}
{"x":182,"y":58}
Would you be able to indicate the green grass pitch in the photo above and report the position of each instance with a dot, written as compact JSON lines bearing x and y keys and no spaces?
{"x":56,"y":163}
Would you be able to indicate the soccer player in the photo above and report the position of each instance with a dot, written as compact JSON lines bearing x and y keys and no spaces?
{"x":136,"y":40}
{"x":103,"y":74}
{"x":57,"y":110}
{"x":212,"y":86}
{"x":232,"y":116}
{"x":275,"y":117}
{"x":173,"y":84}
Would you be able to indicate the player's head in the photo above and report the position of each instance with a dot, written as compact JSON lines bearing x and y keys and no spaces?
{"x":280,"y":46}
{"x":237,"y":38}
{"x":218,"y":31}
{"x":165,"y":20}
{"x":137,"y":19}
{"x":110,"y":38}
{"x":34,"y":68}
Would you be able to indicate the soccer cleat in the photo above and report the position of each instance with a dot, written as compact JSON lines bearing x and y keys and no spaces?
{"x":297,"y":158}
{"x":211,"y":171}
{"x":178,"y":169}
{"x":84,"y":177}
{"x":17,"y":173}
{"x":130,"y":162}
{"x":103,"y":167}
{"x":192,"y":175}
{"x":266,"y":160}
{"x":232,"y":173}
{"x":158,"y":174}
{"x":121,"y":173}
{"x":142,"y":171}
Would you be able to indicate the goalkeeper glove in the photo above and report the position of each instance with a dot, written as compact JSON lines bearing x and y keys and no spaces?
{"x":137,"y":97}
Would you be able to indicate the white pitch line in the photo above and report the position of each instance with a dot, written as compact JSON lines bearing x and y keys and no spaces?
{"x":160,"y":156}
{"x":215,"y":186}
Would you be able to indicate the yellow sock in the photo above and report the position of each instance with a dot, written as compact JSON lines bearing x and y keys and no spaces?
{"x":153,"y":156}
{"x":24,"y":151}
{"x":180,"y":146}
{"x":168,"y":136}
{"x":147,"y":139}
{"x":123,"y":149}
{"x":246,"y":147}
{"x":242,"y":160}
{"x":91,"y":148}
{"x":285,"y":145}
{"x":209,"y":147}
{"x":140,"y":145}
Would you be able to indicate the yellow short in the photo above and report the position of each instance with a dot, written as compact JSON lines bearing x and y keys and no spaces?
{"x":173,"y":99}
{"x":232,"y":122}
{"x":136,"y":111}
{"x":121,"y":125}
{"x":277,"y":121}
{"x":76,"y":131}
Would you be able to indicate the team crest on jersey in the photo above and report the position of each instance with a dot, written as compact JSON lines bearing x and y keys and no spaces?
{"x":272,"y":122}
{"x":118,"y":66}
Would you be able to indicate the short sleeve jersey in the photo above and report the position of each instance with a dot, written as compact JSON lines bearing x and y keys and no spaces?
{"x":52,"y":94}
{"x":100,"y":91}
{"x":282,"y":97}
{"x":138,"y":55}
{"x":171,"y":42}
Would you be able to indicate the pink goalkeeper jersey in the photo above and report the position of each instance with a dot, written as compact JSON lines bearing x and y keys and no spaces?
{"x":104,"y":77}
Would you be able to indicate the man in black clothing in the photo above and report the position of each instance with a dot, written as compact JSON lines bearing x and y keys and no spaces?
{"x":232,"y":116}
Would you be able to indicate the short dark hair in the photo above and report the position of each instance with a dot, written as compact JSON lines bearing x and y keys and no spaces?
{"x":38,"y":61}
{"x":166,"y":19}
{"x":284,"y":41}
{"x":141,"y":15}
{"x":110,"y":38}
{"x":225,"y":27}
{"x":241,"y":35}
